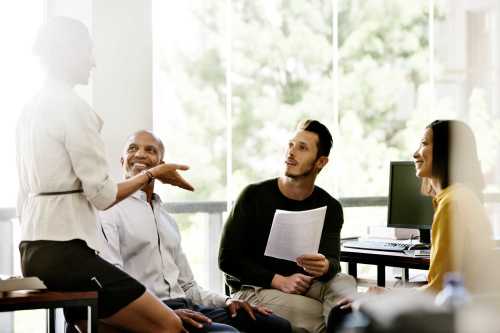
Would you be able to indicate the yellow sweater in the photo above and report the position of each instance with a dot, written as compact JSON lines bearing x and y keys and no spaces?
{"x":461,"y":238}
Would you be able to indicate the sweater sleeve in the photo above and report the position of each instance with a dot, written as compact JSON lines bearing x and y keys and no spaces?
{"x":440,"y":261}
{"x":235,"y":253}
{"x":330,"y":239}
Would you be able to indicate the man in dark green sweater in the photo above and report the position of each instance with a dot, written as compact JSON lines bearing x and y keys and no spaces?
{"x":303,"y":291}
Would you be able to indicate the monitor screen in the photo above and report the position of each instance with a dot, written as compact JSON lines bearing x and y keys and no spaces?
{"x":407,"y":206}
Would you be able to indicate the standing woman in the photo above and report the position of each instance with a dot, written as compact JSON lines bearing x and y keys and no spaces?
{"x":461,"y":238}
{"x":63,"y":178}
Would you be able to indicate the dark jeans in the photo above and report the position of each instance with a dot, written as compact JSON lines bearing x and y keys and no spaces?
{"x":242,"y":322}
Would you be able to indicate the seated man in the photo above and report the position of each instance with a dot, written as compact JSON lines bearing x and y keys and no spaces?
{"x":144,"y":241}
{"x":304,"y":291}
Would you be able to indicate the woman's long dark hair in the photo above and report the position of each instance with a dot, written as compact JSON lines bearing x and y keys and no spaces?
{"x":454,"y":155}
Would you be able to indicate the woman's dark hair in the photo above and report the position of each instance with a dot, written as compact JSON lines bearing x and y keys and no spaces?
{"x":454,"y":155}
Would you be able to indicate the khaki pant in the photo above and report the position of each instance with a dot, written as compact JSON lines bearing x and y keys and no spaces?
{"x":308,"y":312}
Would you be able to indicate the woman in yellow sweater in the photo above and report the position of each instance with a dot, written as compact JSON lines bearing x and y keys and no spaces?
{"x":447,"y":162}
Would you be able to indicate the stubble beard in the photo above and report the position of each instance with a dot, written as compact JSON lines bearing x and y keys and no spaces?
{"x":304,"y":174}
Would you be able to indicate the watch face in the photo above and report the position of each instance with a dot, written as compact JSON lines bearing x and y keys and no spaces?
{"x":149,"y":175}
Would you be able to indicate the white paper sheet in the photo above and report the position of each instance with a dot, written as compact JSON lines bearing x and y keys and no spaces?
{"x":295,"y":233}
{"x":20,"y":283}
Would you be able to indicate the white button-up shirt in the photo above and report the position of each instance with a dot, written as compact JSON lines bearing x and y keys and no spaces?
{"x":145,"y":242}
{"x":59,"y":148}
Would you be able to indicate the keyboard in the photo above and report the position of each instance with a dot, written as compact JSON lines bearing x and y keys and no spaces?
{"x":376,"y":245}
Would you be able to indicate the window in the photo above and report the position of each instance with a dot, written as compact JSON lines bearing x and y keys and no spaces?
{"x":466,"y":82}
{"x":236,"y":76}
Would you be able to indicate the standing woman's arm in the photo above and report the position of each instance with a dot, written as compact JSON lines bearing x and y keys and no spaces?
{"x":166,"y":173}
{"x":87,"y":154}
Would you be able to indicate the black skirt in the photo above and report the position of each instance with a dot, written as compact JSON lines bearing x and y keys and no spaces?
{"x":73,"y":266}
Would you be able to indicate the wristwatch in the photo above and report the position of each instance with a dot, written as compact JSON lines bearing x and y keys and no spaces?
{"x":149,"y":174}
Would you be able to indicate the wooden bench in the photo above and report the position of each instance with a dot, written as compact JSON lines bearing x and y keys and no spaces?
{"x":51,"y":300}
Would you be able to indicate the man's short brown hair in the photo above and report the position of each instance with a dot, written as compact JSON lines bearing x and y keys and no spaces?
{"x":325,"y":140}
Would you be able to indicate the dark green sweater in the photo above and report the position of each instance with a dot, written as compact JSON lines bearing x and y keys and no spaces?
{"x":241,"y":253}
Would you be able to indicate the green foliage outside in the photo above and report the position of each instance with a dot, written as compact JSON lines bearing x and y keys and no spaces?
{"x":282,"y":71}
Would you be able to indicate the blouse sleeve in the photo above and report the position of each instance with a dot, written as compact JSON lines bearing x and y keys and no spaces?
{"x":86,"y":150}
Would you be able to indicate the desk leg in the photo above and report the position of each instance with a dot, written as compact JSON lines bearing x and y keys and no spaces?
{"x":381,"y":275}
{"x":92,"y":321}
{"x":352,"y":269}
{"x":51,"y":320}
{"x":406,"y":275}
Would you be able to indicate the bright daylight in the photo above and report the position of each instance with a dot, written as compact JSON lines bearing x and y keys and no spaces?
{"x":209,"y":166}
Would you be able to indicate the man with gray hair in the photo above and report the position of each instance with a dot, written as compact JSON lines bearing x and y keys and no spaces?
{"x":145,"y":242}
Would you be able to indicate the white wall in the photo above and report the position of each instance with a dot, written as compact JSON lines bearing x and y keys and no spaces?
{"x":123,"y":88}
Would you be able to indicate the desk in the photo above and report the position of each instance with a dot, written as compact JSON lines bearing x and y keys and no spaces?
{"x":51,"y":300}
{"x":381,"y":259}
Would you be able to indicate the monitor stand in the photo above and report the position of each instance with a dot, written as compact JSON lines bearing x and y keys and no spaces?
{"x":425,"y":236}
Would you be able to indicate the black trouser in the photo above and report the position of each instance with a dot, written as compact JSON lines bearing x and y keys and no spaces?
{"x":242,"y":321}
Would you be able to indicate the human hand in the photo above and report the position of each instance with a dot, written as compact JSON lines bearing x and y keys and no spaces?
{"x":315,"y":264}
{"x":167,"y":174}
{"x":294,"y":284}
{"x":344,"y":303}
{"x":235,"y":305}
{"x":192,"y":318}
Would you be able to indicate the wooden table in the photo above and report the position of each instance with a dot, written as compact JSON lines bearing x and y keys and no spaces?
{"x":51,"y":300}
{"x":381,"y":259}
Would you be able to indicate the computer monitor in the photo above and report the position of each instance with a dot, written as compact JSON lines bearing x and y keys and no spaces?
{"x":407,"y":206}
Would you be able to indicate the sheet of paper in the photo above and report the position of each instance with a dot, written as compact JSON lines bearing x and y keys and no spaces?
{"x":295,"y":233}
{"x":21,"y":283}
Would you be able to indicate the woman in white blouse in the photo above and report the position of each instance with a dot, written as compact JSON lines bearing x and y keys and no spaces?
{"x":63,"y":178}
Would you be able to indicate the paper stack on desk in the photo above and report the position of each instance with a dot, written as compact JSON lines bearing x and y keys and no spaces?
{"x":295,"y":233}
{"x":20,"y":283}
